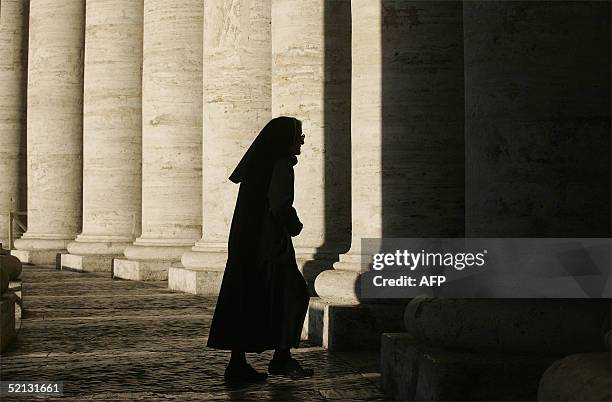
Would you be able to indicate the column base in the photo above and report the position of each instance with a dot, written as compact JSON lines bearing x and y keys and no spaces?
{"x":206,"y":261}
{"x":350,"y":261}
{"x":37,"y":257}
{"x":205,"y":256}
{"x":88,"y":263}
{"x":540,"y":326}
{"x":157,"y":249}
{"x":312,"y":263}
{"x":141,"y":270}
{"x":39,"y":249}
{"x":201,"y":271}
{"x":338,"y":284}
{"x":150,"y":259}
{"x":195,"y":281}
{"x":411,"y":371}
{"x":99,"y":245}
{"x":344,"y":326}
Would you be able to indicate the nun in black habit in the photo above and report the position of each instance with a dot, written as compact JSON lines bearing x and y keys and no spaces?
{"x":263,"y":297}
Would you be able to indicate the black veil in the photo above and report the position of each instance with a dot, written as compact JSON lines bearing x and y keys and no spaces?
{"x":273,"y":142}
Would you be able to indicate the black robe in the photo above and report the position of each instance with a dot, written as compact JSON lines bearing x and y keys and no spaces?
{"x":263,"y":297}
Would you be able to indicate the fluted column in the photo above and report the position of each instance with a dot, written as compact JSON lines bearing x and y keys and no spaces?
{"x":54,"y":125}
{"x":311,"y":81}
{"x":236,"y":105}
{"x":111,"y":134}
{"x":13,"y":70}
{"x":171,"y":139}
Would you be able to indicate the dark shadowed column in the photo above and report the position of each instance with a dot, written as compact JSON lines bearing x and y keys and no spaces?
{"x":537,"y":119}
{"x":406,"y":149}
{"x":537,"y":99}
{"x":311,"y":74}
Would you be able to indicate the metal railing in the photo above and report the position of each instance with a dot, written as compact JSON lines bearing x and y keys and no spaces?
{"x":14,"y":219}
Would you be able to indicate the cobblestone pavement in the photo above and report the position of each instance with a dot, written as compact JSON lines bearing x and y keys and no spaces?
{"x":110,"y":339}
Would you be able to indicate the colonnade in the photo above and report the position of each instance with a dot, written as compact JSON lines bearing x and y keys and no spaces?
{"x":172,"y":94}
{"x":139,"y":111}
{"x":156,"y":200}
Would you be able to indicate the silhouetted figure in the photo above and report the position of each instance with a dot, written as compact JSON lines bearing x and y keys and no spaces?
{"x":263,"y":298}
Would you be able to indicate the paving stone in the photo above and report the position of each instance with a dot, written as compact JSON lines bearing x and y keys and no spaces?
{"x":110,"y":339}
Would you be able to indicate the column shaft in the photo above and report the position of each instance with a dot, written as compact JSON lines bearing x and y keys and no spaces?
{"x":111,"y":133}
{"x":171,"y":138}
{"x":538,"y":119}
{"x":54,"y":125}
{"x":407,"y":144}
{"x":366,"y":129}
{"x":236,"y":105}
{"x":311,"y":81}
{"x":407,"y":153}
{"x":13,"y":70}
{"x":537,"y":110}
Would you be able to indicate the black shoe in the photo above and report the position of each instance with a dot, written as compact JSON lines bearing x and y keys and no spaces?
{"x":243,"y":373}
{"x":289,"y":367}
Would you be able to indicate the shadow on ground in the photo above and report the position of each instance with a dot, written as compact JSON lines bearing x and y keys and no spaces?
{"x":120,"y":340}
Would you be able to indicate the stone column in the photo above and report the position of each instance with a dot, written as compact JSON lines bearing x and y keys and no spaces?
{"x":111,"y":134}
{"x":55,"y":128}
{"x":538,"y":126}
{"x":537,"y":165}
{"x":311,"y":81}
{"x":406,"y":152}
{"x":13,"y":69}
{"x":366,"y":150}
{"x":236,"y":105}
{"x":171,"y":139}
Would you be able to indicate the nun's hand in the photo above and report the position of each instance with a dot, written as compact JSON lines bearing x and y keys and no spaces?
{"x":295,"y":228}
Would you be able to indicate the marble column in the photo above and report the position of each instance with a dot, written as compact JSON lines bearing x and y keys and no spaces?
{"x":311,"y":75}
{"x":406,"y":152}
{"x":55,"y":128}
{"x":111,"y":134}
{"x":538,"y":126}
{"x":406,"y":129}
{"x":236,"y":105}
{"x":537,"y":133}
{"x":13,"y":70}
{"x":171,"y":139}
{"x":366,"y":149}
